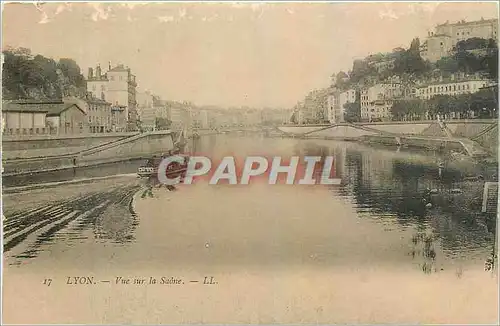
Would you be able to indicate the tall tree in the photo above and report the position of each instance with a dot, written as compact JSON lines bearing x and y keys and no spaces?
{"x":352,"y":111}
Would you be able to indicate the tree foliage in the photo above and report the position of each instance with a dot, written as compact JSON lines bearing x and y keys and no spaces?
{"x":410,"y":61}
{"x":471,"y":56}
{"x":352,"y":111}
{"x":482,"y":103}
{"x":162,"y":123}
{"x":37,"y":77}
{"x":410,"y":109}
{"x":360,"y":71}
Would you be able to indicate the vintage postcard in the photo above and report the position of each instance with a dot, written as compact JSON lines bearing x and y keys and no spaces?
{"x":249,"y":162}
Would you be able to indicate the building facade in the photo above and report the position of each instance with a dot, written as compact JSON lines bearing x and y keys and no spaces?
{"x":179,"y":115}
{"x":205,"y":119}
{"x":274,"y":116}
{"x":43,"y":117}
{"x":333,"y":106}
{"x":315,"y":107}
{"x":118,"y":118}
{"x":67,"y":118}
{"x":452,"y":87}
{"x":99,"y":115}
{"x":118,"y":87}
{"x":23,"y":119}
{"x":336,"y":104}
{"x":146,"y":110}
{"x":441,"y":41}
{"x":377,"y":101}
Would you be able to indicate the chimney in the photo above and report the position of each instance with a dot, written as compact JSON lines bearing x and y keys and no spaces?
{"x":109,"y":65}
{"x":98,"y":71}
{"x":91,"y":73}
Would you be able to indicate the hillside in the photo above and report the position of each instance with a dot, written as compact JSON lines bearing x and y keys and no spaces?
{"x":28,"y":76}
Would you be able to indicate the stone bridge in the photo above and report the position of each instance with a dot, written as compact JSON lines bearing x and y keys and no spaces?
{"x":476,"y":137}
{"x":247,"y":129}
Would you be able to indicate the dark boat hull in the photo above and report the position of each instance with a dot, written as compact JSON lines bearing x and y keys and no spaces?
{"x":154,"y":173}
{"x":150,"y":170}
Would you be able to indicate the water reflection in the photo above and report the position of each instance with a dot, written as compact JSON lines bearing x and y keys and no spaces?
{"x":438,"y":200}
{"x":444,"y":207}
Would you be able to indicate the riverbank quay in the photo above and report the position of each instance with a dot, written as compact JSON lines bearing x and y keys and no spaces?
{"x":25,"y":155}
{"x":133,"y":147}
{"x":475,"y":138}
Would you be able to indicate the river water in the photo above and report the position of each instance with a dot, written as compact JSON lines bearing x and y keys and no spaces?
{"x":366,"y":251}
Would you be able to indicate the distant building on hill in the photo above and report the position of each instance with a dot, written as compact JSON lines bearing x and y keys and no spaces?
{"x":441,"y":41}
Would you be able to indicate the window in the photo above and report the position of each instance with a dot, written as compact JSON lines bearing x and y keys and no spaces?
{"x":112,"y":78}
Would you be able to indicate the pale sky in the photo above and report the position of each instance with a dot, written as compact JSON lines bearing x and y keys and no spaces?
{"x":260,"y":54}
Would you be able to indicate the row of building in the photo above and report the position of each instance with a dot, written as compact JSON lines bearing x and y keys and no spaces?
{"x":112,"y":103}
{"x":376,"y":99}
{"x":375,"y":102}
{"x":108,"y":105}
{"x":185,"y":114}
{"x":94,"y":115}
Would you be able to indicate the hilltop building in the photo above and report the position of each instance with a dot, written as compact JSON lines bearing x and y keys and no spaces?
{"x":441,"y":41}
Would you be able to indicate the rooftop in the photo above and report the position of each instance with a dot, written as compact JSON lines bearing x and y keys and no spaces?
{"x":48,"y":107}
{"x":96,"y":100}
{"x":119,"y":68}
{"x":463,"y":22}
{"x":439,"y":35}
{"x":456,"y":81}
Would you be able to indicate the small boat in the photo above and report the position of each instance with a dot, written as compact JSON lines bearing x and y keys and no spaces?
{"x":150,"y":167}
